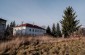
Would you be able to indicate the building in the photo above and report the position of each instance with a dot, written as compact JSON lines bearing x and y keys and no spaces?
{"x":2,"y":27}
{"x":28,"y":29}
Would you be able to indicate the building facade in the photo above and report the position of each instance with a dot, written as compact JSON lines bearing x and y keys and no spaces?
{"x":28,"y":29}
{"x":2,"y":27}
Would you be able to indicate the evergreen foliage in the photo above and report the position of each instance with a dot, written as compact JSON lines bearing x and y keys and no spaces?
{"x":54,"y":30}
{"x":48,"y":30}
{"x":9,"y":28}
{"x":58,"y":31}
{"x":69,"y":22}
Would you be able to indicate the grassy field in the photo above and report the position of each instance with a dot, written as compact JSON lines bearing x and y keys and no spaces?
{"x":43,"y":45}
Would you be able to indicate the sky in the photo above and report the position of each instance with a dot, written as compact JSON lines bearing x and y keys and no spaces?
{"x":40,"y":12}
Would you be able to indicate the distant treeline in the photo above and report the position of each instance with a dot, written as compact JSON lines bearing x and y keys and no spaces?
{"x":9,"y":29}
{"x":69,"y":24}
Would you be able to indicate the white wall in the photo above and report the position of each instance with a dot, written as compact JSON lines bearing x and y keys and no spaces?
{"x":19,"y":30}
{"x":28,"y":31}
{"x":35,"y":32}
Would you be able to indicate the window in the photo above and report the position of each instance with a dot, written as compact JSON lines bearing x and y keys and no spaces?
{"x":33,"y":30}
{"x":29,"y":29}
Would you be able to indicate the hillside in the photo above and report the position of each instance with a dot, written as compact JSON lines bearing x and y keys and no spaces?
{"x":44,"y":45}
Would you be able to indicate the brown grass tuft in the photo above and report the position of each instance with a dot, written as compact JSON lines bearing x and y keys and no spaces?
{"x":43,"y":45}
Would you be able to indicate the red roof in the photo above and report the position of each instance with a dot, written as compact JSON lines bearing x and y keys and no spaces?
{"x":30,"y":25}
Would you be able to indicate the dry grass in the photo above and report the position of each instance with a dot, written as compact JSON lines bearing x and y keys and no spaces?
{"x":43,"y":45}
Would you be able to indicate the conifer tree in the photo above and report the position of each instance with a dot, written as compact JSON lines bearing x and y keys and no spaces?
{"x":53,"y":30}
{"x":58,"y":31}
{"x":14,"y":24}
{"x":9,"y":29}
{"x":48,"y":30}
{"x":69,"y":22}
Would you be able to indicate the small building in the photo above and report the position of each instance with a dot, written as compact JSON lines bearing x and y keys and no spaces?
{"x":2,"y":27}
{"x":28,"y":29}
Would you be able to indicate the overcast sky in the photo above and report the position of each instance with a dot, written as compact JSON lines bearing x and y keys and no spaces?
{"x":41,"y":12}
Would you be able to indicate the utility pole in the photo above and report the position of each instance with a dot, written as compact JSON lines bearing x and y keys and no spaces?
{"x":33,"y":29}
{"x":24,"y":40}
{"x":21,"y":28}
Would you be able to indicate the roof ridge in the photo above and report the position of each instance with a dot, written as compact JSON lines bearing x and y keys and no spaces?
{"x":30,"y":25}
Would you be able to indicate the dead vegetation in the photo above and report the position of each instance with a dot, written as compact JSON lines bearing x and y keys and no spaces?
{"x":43,"y":45}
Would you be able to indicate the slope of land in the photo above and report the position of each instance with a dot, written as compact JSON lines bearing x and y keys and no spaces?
{"x":43,"y":45}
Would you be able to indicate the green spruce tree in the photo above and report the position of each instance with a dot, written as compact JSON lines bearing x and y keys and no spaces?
{"x":58,"y":31}
{"x":9,"y":29}
{"x":69,"y":22}
{"x":48,"y":30}
{"x":54,"y":30}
